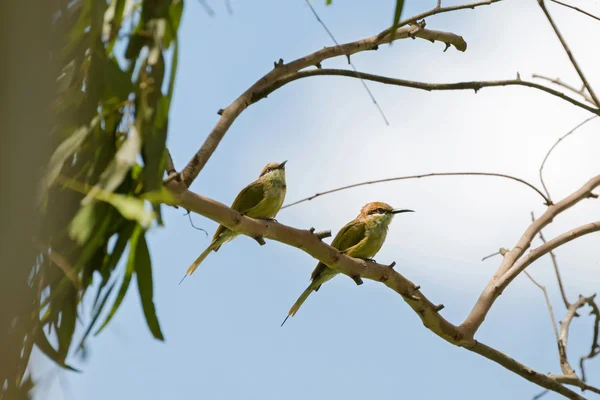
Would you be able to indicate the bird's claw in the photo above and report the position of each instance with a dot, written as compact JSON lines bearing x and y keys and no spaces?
{"x":268,"y":219}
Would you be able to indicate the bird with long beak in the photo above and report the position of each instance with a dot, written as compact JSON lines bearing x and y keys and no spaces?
{"x":360,"y":238}
{"x":261,"y":199}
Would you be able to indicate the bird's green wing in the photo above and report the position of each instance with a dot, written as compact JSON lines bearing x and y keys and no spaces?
{"x":351,"y":234}
{"x":248,"y":198}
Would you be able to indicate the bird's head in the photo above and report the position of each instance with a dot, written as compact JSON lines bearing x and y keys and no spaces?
{"x":274,"y":171}
{"x":380,"y":213}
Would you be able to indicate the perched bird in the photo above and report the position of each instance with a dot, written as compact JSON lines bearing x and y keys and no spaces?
{"x":261,"y":199}
{"x":360,"y":238}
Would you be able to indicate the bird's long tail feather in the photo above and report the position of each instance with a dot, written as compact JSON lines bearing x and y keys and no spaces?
{"x":301,"y":300}
{"x":214,"y":245}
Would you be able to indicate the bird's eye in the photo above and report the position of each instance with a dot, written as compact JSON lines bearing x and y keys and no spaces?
{"x":269,"y":169}
{"x":380,"y":210}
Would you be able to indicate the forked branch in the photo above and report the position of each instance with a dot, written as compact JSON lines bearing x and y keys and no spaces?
{"x":307,"y":241}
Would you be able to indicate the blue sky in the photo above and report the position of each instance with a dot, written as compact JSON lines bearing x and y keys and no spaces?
{"x":223,"y":339}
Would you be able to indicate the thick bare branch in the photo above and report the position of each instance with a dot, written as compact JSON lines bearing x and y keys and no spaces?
{"x":575,"y":8}
{"x":568,"y":51}
{"x":308,"y":242}
{"x":400,"y":178}
{"x":503,"y":276}
{"x":282,"y":70}
{"x":524,"y":371}
{"x":554,"y":146}
{"x":471,"y":85}
{"x":558,"y":82}
{"x":556,"y":269}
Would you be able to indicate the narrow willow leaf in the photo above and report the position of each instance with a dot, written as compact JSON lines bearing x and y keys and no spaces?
{"x":126,"y":278}
{"x":66,"y":150}
{"x":143,"y":269}
{"x":118,"y":168}
{"x":44,"y":345}
{"x":397,"y":15}
{"x":97,"y":312}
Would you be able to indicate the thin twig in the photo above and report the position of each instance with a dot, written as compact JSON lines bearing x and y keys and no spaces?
{"x":207,"y":8}
{"x":400,"y":178}
{"x":568,"y":51}
{"x":229,"y":7}
{"x":491,"y":255}
{"x":434,"y":11}
{"x":558,"y":82}
{"x":189,"y":214}
{"x":349,"y":62}
{"x":472,"y":85}
{"x":595,"y":349}
{"x":554,"y":146}
{"x":548,"y":304}
{"x":575,"y":8}
{"x":555,"y":264}
{"x":281,"y":70}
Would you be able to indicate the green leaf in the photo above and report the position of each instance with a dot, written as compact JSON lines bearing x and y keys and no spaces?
{"x":64,"y":151}
{"x":173,"y":21}
{"x":97,"y":312}
{"x":113,"y":18}
{"x":328,"y":2}
{"x":111,"y":260}
{"x":131,"y":208}
{"x":397,"y":15}
{"x":83,"y":223}
{"x":143,"y":269}
{"x":117,"y":82}
{"x":126,"y":278}
{"x":44,"y":345}
{"x":174,"y":63}
{"x":66,"y":328}
{"x":117,"y":169}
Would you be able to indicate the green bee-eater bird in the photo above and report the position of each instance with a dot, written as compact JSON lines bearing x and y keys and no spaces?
{"x":261,"y":199}
{"x":360,"y":238}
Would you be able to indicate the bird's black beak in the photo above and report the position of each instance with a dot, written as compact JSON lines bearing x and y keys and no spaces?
{"x":398,"y":211}
{"x":282,"y":165}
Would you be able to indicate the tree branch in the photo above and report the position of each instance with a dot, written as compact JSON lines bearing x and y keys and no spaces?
{"x":549,"y":305}
{"x":558,"y":82}
{"x":308,"y":242}
{"x":569,"y":376}
{"x":435,"y":11}
{"x":575,"y":8}
{"x":554,"y":146}
{"x":282,"y":70}
{"x":524,"y":371}
{"x":508,"y":270}
{"x":556,"y":270}
{"x":312,"y":245}
{"x":568,"y":51}
{"x":595,"y":349}
{"x":400,"y":178}
{"x":471,"y":85}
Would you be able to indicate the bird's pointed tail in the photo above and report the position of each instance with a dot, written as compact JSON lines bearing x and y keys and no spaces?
{"x":214,"y":245}
{"x":301,"y":300}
